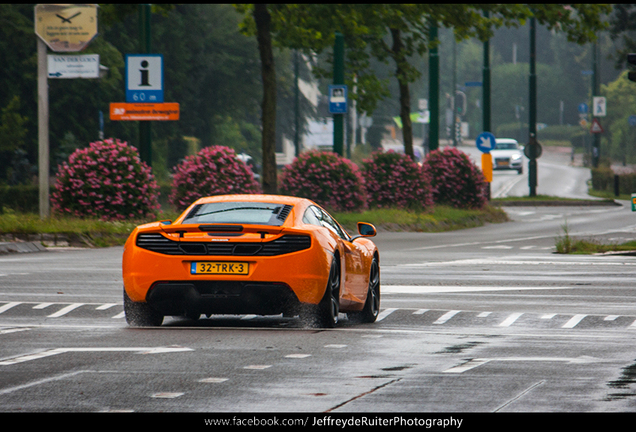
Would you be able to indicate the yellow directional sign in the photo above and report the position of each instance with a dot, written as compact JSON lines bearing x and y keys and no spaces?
{"x":66,"y":27}
{"x":486,"y":166}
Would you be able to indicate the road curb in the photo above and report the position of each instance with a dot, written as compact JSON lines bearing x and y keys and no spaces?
{"x":21,"y":247}
{"x":558,"y":203}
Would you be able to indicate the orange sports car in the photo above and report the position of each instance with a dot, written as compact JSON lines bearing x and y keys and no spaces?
{"x":251,"y":254}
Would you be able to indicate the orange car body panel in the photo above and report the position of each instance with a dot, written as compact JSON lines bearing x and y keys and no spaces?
{"x":305,"y":271}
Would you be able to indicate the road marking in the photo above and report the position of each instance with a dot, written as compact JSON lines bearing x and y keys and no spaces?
{"x":166,"y":395}
{"x":9,"y":306}
{"x":473,"y":363}
{"x":483,"y":314}
{"x":420,"y":312}
{"x":106,"y":306}
{"x":422,"y":289}
{"x":497,"y":247}
{"x":448,"y":315}
{"x":511,"y":319}
{"x":548,"y":316}
{"x":574,"y":321}
{"x":610,"y":318}
{"x":213,"y":380}
{"x":42,"y":306}
{"x":56,"y":351}
{"x":335,"y":346}
{"x":297,"y":356}
{"x":65,"y":310}
{"x":385,"y":313}
{"x":257,"y":367}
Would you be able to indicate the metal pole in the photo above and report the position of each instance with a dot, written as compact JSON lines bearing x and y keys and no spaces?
{"x":43,"y":131}
{"x":596,"y":145}
{"x":296,"y":104}
{"x":433,"y":90}
{"x":486,"y":85}
{"x":145,"y":139}
{"x":532,"y":175}
{"x":338,"y":78}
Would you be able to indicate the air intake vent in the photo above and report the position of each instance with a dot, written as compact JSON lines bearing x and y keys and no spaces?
{"x":282,"y":215}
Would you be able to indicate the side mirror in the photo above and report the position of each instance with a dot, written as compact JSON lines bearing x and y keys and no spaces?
{"x":366,"y":230}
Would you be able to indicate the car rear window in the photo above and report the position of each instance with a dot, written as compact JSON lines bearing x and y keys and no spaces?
{"x":239,"y":212}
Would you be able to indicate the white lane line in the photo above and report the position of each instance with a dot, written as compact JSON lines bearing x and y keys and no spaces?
{"x":106,"y":306}
{"x":297,"y":356}
{"x":385,"y":313}
{"x":420,"y":311}
{"x":56,"y":351}
{"x":166,"y":395}
{"x":257,"y":367}
{"x":432,"y":289}
{"x":467,"y":366}
{"x":120,"y":315}
{"x":213,"y":380}
{"x":65,"y":310}
{"x":574,"y":321}
{"x":42,"y":305}
{"x":511,"y":319}
{"x":8,"y":306}
{"x":483,"y":314}
{"x":610,"y":318}
{"x":448,"y":315}
{"x":548,"y":316}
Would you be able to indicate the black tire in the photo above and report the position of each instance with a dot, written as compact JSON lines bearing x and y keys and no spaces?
{"x":371,"y":308}
{"x":141,"y":314}
{"x":325,"y":313}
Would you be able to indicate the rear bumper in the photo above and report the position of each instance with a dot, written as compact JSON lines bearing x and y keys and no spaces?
{"x":222,"y":297}
{"x":273,"y":285}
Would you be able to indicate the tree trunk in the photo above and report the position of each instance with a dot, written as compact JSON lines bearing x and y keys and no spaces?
{"x":405,"y":97}
{"x":268,"y":119}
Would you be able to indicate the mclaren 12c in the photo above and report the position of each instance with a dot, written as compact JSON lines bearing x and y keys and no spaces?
{"x":251,"y":254}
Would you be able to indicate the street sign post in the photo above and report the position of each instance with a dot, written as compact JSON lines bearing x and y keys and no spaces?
{"x":144,"y":111}
{"x":596,"y":127}
{"x":66,"y":27}
{"x":144,"y":78}
{"x":485,"y":142}
{"x":73,"y":66}
{"x":338,"y":99}
{"x":599,"y":108}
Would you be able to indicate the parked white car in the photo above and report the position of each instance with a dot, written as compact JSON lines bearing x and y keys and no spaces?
{"x":507,"y":155}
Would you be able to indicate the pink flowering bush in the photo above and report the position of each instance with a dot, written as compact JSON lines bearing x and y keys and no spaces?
{"x":326,"y":178}
{"x":215,"y":170}
{"x":394,"y":180}
{"x":456,"y":180}
{"x":106,"y":180}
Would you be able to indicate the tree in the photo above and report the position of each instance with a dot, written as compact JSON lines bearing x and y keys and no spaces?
{"x":400,"y":31}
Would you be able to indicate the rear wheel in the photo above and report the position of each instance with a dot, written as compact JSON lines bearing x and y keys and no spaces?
{"x":141,"y":314}
{"x":325,"y":313}
{"x":372,"y":305}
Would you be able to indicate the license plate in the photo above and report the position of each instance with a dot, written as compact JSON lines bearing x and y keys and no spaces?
{"x":503,"y":163}
{"x":225,"y":268}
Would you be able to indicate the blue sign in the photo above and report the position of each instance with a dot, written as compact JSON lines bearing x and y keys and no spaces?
{"x":338,"y":99}
{"x":473,"y":84}
{"x":632,"y":120}
{"x":144,"y":78}
{"x":486,"y":142}
{"x":582,"y":108}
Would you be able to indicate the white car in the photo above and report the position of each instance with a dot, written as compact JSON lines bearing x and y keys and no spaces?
{"x":507,"y":155}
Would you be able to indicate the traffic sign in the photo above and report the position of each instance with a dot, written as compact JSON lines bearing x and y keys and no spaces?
{"x":66,"y":27}
{"x":596,"y":126}
{"x":144,"y":111}
{"x":632,"y":120}
{"x":486,"y":142}
{"x":144,"y":78}
{"x":583,"y":108}
{"x":599,"y":108}
{"x":337,"y":99}
{"x":73,"y":66}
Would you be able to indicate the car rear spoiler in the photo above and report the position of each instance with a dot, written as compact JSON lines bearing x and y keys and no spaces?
{"x":221,"y":228}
